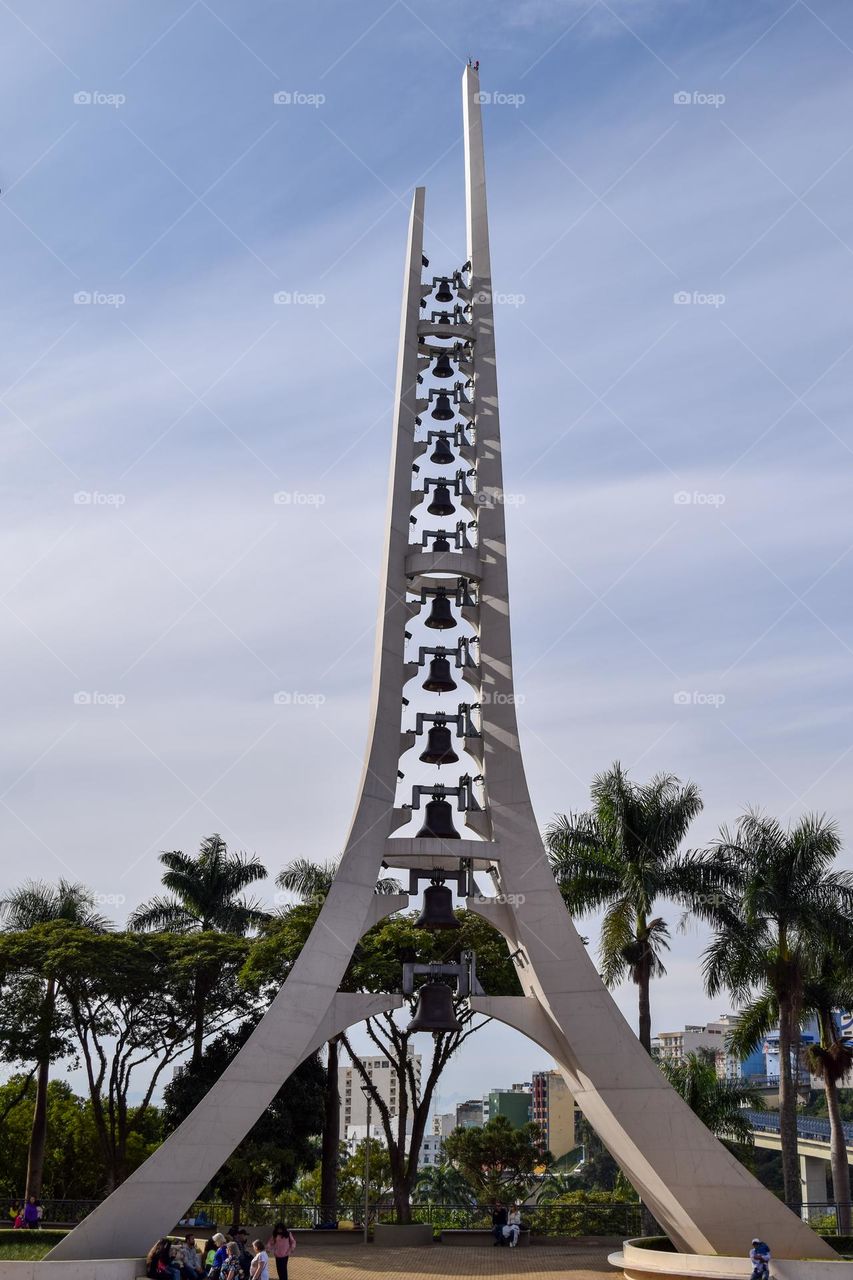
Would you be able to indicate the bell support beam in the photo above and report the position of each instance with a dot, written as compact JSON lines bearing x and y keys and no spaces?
{"x":699,"y":1193}
{"x":302,"y":1015}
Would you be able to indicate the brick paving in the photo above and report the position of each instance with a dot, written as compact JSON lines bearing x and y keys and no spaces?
{"x":538,"y":1262}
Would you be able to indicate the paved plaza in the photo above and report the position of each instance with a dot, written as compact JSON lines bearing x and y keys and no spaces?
{"x":538,"y":1262}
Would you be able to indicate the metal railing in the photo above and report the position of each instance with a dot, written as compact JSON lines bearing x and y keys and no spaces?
{"x":815,"y":1127}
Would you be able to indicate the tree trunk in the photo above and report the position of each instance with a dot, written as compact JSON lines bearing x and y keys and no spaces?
{"x":838,"y":1157}
{"x":788,"y":1110}
{"x":199,"y":998}
{"x":38,"y":1132}
{"x":331,"y":1139}
{"x":645,"y":1019}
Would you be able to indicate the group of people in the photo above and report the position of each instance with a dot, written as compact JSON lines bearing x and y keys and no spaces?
{"x":506,"y":1224}
{"x":222,"y":1258}
{"x":27,"y":1214}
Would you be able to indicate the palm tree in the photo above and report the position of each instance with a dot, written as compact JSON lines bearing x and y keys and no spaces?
{"x":310,"y":882}
{"x":557,"y":1186}
{"x":206,"y":893}
{"x":442,"y":1184}
{"x":621,"y":858}
{"x":721,"y":1105}
{"x":37,"y":903}
{"x":778,"y":902}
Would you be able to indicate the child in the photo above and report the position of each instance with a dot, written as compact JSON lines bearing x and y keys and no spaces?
{"x":260,"y":1267}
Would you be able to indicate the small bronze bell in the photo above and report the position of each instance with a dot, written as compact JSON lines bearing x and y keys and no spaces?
{"x":439,"y":679}
{"x":440,"y":543}
{"x":441,"y":616}
{"x":438,"y":822}
{"x":442,"y":454}
{"x":435,"y":1009}
{"x":443,"y":410}
{"x":441,"y":504}
{"x":443,"y":293}
{"x":439,"y":747}
{"x":438,"y":909}
{"x":442,"y":367}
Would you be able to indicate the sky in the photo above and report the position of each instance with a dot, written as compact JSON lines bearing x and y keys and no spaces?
{"x":672,"y":236}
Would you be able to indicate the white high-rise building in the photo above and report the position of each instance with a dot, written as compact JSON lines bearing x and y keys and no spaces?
{"x":381,"y":1072}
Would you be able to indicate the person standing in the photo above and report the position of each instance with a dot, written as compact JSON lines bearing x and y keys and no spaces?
{"x":280,"y":1246}
{"x":220,"y":1257}
{"x":259,"y":1268}
{"x":759,"y":1256}
{"x":31,"y":1213}
{"x":499,"y":1221}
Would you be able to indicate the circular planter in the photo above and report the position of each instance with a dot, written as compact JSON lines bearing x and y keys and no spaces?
{"x":391,"y":1236}
{"x":638,"y":1263}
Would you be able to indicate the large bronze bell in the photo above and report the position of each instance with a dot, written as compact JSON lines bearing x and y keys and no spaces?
{"x":442,"y":367}
{"x":443,"y":293}
{"x":438,"y":909}
{"x":441,"y":615}
{"x":442,"y":454}
{"x":435,"y":1009}
{"x":439,"y":679}
{"x":443,"y":410}
{"x":439,"y":747}
{"x":441,"y":504}
{"x":438,"y":822}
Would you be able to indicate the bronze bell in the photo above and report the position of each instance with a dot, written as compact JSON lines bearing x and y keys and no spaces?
{"x":441,"y":616}
{"x":435,"y":1010}
{"x":441,"y":504}
{"x":440,"y":543}
{"x":439,"y":747}
{"x":438,"y":822}
{"x":438,"y":909}
{"x":442,"y":454}
{"x":443,"y":410}
{"x":439,"y":679}
{"x":444,"y":317}
{"x":443,"y":293}
{"x":442,"y":367}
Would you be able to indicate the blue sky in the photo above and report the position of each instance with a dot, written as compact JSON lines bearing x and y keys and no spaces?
{"x":679,"y":469}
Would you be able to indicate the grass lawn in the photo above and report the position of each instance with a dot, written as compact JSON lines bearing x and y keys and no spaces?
{"x":27,"y":1246}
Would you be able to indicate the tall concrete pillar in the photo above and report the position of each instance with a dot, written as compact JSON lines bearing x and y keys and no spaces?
{"x":813,"y":1171}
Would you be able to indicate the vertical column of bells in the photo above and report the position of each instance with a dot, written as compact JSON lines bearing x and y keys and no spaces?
{"x":435,"y":1011}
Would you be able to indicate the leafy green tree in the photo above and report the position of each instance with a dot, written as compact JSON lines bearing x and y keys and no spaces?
{"x":377,"y":966}
{"x":310,"y":882}
{"x":497,"y":1160}
{"x":779,"y":900}
{"x":621,"y":858}
{"x":278,"y":1146}
{"x":719,"y":1104}
{"x":443,"y":1184}
{"x":36,"y":1009}
{"x":206,"y":894}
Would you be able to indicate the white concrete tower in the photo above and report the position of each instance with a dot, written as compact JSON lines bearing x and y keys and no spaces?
{"x":449,"y":567}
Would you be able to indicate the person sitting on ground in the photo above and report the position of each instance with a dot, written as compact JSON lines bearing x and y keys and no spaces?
{"x":220,"y":1256}
{"x":499,"y":1220}
{"x":759,"y":1256}
{"x":259,"y":1268}
{"x":513,"y":1228}
{"x":192,"y":1259}
{"x":281,"y":1245}
{"x":158,"y":1262}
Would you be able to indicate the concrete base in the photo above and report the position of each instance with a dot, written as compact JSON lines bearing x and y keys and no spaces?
{"x":390,"y":1236}
{"x":638,"y":1263}
{"x":78,"y":1269}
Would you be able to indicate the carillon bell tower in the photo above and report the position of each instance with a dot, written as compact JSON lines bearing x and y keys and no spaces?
{"x":443,"y":799}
